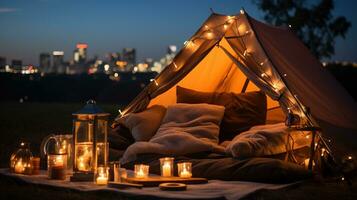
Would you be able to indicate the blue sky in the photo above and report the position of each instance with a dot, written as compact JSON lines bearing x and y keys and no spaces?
{"x":29,"y":27}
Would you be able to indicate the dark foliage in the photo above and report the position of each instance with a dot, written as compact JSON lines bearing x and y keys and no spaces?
{"x":312,"y":23}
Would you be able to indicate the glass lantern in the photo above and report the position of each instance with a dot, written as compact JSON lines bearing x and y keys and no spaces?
{"x":90,"y":130}
{"x":184,"y":169}
{"x":167,"y":166}
{"x":21,"y":160}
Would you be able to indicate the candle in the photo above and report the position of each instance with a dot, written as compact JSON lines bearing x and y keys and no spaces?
{"x":57,"y":164}
{"x":184,"y":170}
{"x":102,"y":176}
{"x":19,"y":167}
{"x":166,"y":169}
{"x":166,"y":165}
{"x":141,"y":171}
{"x":185,"y":174}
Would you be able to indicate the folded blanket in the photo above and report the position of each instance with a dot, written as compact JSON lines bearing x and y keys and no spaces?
{"x":186,"y":128}
{"x":266,"y":140}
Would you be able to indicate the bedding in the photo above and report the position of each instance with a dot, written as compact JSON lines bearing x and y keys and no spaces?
{"x":265,"y":140}
{"x":242,"y":111}
{"x":215,"y":166}
{"x":144,"y":125}
{"x":186,"y":128}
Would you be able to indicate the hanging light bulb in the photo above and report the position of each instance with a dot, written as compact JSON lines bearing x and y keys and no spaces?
{"x":156,"y":83}
{"x":209,"y":34}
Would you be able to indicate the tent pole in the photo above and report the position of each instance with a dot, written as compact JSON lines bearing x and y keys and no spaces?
{"x":245,"y":85}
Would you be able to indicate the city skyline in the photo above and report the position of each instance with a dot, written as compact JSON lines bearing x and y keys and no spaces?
{"x":43,"y":26}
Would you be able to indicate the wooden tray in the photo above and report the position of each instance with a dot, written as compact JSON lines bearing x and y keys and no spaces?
{"x":155,"y":181}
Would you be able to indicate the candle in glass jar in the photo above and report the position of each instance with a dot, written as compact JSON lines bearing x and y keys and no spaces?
{"x":102,"y":176}
{"x":166,"y":165}
{"x":141,"y":171}
{"x":184,"y":170}
{"x":19,"y":167}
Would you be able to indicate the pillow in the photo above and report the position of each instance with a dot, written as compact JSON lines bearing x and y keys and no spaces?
{"x":144,"y":125}
{"x":198,"y":120}
{"x":266,"y":140}
{"x":120,"y":138}
{"x":242,"y":111}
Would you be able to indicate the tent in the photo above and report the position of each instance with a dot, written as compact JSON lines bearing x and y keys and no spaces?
{"x":238,"y":54}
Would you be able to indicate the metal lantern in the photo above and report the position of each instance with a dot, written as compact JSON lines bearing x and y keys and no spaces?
{"x":90,"y":130}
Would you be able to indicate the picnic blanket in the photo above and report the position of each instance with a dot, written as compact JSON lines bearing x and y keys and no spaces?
{"x":214,"y":189}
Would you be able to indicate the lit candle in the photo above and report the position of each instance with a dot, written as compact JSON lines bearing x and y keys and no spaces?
{"x":166,"y":169}
{"x":184,"y":170}
{"x":141,"y":171}
{"x":166,"y":165}
{"x":185,"y":174}
{"x":58,"y":162}
{"x":19,"y":167}
{"x":102,"y":176}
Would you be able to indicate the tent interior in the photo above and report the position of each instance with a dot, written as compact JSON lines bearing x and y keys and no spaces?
{"x":240,"y":54}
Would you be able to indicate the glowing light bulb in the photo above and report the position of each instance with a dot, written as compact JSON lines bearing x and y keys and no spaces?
{"x":175,"y":65}
{"x":245,"y":53}
{"x":263,"y":74}
{"x":289,"y":25}
{"x":242,"y":11}
{"x":206,"y":27}
{"x":349,"y":157}
{"x":284,"y":75}
{"x":225,"y":26}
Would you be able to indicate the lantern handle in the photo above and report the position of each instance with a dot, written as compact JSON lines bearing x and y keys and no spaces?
{"x":44,"y":144}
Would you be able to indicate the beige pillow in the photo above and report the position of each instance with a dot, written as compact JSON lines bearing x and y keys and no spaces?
{"x":144,"y":125}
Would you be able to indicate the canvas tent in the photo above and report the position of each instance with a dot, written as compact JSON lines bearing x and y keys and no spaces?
{"x":238,"y":54}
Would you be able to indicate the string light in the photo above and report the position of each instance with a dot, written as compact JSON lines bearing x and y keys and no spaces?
{"x":323,"y":151}
{"x":156,"y":83}
{"x":307,"y":137}
{"x":245,"y":53}
{"x":206,"y":27}
{"x":349,"y":157}
{"x":242,"y":11}
{"x":342,"y":178}
{"x":175,"y":65}
{"x":289,"y":25}
{"x":120,"y":112}
{"x":263,"y":74}
{"x":284,"y":75}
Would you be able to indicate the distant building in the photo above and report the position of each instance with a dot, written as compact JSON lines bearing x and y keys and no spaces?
{"x":58,"y":63}
{"x":129,"y":56}
{"x":80,"y":53}
{"x":2,"y":63}
{"x":16,"y":65}
{"x":45,"y":62}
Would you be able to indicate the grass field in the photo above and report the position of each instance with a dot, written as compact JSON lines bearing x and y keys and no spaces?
{"x":33,"y":121}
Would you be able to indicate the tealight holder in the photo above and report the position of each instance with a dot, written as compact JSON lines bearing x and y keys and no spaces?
{"x":57,"y":166}
{"x":141,"y":171}
{"x":167,"y":166}
{"x":184,"y":169}
{"x":101,"y":176}
{"x":20,"y":161}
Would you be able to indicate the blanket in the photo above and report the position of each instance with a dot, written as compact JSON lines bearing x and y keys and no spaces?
{"x":185,"y":129}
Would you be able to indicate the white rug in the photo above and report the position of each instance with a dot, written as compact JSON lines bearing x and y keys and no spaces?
{"x":213,"y":189}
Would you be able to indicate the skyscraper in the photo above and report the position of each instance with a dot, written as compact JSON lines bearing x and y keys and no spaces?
{"x":129,"y":56}
{"x":45,"y":62}
{"x":80,"y":53}
{"x":58,"y":64}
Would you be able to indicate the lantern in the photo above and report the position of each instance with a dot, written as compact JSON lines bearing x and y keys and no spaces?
{"x":90,"y":129}
{"x":21,"y":160}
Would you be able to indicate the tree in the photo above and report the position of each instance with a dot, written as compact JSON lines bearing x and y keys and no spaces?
{"x":312,"y":23}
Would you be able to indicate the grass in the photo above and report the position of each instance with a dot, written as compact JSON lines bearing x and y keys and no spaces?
{"x":34,"y":121}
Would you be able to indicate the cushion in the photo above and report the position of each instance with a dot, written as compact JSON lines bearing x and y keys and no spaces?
{"x":144,"y":125}
{"x":199,"y":120}
{"x":266,"y":140}
{"x":242,"y":111}
{"x":120,"y":138}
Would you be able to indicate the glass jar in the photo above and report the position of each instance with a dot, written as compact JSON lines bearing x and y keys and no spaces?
{"x":21,"y":160}
{"x":184,"y":169}
{"x":141,"y":171}
{"x":57,"y":166}
{"x":167,"y":166}
{"x":101,"y":176}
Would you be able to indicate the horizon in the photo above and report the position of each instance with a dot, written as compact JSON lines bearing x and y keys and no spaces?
{"x":42,"y":26}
